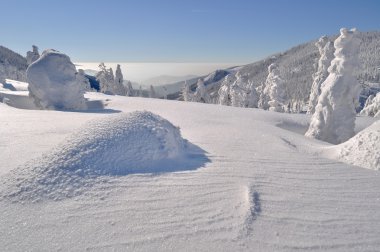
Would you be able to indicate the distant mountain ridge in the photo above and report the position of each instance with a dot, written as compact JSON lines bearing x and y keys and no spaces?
{"x":297,"y":65}
{"x":12,"y":65}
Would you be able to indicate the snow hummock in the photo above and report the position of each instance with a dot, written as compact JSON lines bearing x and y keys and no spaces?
{"x":361,"y":150}
{"x":53,"y":82}
{"x":121,"y":144}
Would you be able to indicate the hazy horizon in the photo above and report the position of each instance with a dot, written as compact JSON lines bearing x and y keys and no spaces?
{"x":141,"y":71}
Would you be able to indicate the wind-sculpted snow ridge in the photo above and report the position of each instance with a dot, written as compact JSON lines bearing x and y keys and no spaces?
{"x":138,"y":142}
{"x":363,"y":149}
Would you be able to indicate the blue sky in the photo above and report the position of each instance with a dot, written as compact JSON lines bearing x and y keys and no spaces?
{"x":238,"y":31}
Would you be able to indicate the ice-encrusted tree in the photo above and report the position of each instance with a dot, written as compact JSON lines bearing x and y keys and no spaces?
{"x":129,"y":91}
{"x":326,"y":51}
{"x":224,"y":90}
{"x":186,"y":92}
{"x":53,"y":82}
{"x":266,"y":87}
{"x":33,"y":55}
{"x":118,"y":88}
{"x":83,"y":80}
{"x":334,"y":118}
{"x":252,"y":97}
{"x":152,"y":92}
{"x":372,"y":106}
{"x":106,"y":79}
{"x":140,"y":92}
{"x":201,"y":94}
{"x":273,"y":95}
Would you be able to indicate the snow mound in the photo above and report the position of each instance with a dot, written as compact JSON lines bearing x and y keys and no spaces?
{"x":53,"y":82}
{"x":362,"y":149}
{"x":138,"y":142}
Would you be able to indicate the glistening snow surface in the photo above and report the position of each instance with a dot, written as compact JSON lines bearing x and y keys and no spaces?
{"x":260,"y":190}
{"x":115,"y":145}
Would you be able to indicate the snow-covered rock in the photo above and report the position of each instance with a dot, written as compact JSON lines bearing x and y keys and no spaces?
{"x":53,"y":84}
{"x":83,"y":80}
{"x":334,"y":117}
{"x":363,"y":149}
{"x":138,"y":142}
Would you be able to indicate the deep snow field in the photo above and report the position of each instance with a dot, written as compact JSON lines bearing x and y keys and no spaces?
{"x":243,"y":180}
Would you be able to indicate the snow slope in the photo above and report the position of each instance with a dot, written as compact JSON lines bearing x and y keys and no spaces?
{"x":264,"y":187}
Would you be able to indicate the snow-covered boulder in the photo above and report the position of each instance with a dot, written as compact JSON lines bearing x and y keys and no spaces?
{"x":372,"y":106}
{"x":334,"y":117}
{"x":121,"y":144}
{"x":361,"y":150}
{"x":53,"y":83}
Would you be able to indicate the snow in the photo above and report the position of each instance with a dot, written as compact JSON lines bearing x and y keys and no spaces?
{"x":361,"y":150}
{"x":334,"y":117}
{"x":372,"y":106}
{"x":255,"y":183}
{"x":53,"y":83}
{"x":119,"y":144}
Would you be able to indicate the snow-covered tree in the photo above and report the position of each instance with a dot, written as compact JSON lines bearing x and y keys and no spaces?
{"x":334,"y":117}
{"x":83,"y":80}
{"x":129,"y":91}
{"x":33,"y":55}
{"x":273,"y":75}
{"x":106,"y":79}
{"x":201,"y":94}
{"x":252,"y":97}
{"x":152,"y":92}
{"x":372,"y":106}
{"x":53,"y":83}
{"x":273,"y":95}
{"x":140,"y":92}
{"x":224,"y":90}
{"x":186,"y":93}
{"x":326,"y":50}
{"x":118,"y":88}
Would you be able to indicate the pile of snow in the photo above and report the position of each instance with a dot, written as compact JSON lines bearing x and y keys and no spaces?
{"x":372,"y":106}
{"x":361,"y":150}
{"x":334,"y":118}
{"x":53,"y":82}
{"x":138,"y":142}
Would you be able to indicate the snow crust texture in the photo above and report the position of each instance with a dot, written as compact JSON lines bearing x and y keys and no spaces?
{"x":363,"y":149}
{"x":53,"y":82}
{"x":138,"y":142}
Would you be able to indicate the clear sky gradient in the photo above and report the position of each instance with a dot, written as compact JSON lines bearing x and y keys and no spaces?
{"x":240,"y":31}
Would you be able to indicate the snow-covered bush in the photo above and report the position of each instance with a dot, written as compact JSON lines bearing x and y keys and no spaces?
{"x":326,"y":50}
{"x":33,"y":55}
{"x":372,"y":106}
{"x":53,"y":83}
{"x":334,"y":117}
{"x":201,"y":94}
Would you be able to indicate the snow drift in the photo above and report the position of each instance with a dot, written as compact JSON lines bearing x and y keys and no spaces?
{"x":53,"y":83}
{"x":138,"y":142}
{"x":362,"y":149}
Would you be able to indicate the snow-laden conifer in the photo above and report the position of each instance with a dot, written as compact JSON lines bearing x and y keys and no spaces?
{"x":334,"y":117}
